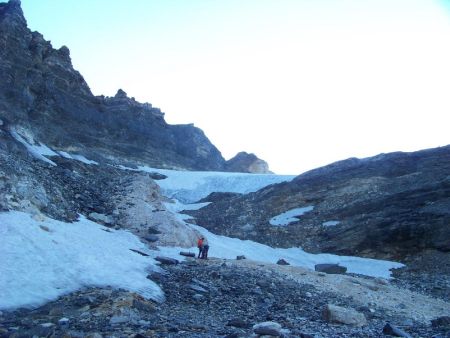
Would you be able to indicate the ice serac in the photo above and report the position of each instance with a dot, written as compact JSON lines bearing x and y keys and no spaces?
{"x":247,"y":163}
{"x":41,"y":92}
{"x":391,"y":205}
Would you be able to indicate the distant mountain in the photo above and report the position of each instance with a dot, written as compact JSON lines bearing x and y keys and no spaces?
{"x":45,"y":97}
{"x":247,"y":163}
{"x":391,"y":205}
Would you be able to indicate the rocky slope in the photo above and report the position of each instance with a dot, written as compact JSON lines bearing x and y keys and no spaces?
{"x":68,"y":188}
{"x":42,"y":94}
{"x":391,"y":205}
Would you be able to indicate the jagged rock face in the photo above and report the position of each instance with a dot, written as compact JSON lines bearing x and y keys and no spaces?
{"x":388,"y":206}
{"x":247,"y":163}
{"x":40,"y":91}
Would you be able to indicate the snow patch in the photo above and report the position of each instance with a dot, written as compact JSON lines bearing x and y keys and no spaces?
{"x":289,"y":216}
{"x":76,"y":157}
{"x":38,"y":150}
{"x":38,"y":266}
{"x":330,"y":223}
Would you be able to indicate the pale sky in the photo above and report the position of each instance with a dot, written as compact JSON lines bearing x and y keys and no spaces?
{"x":300,"y":83}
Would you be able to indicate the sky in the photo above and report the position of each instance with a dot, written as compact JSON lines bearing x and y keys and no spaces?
{"x":299,"y":83}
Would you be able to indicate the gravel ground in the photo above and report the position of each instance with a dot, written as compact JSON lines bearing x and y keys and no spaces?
{"x":214,"y":298}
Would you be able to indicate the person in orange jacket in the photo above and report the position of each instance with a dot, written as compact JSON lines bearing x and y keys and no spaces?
{"x":200,"y":246}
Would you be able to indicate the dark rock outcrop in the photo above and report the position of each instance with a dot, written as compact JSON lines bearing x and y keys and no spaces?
{"x":387,"y":206}
{"x":42,"y":93}
{"x":247,"y":163}
{"x":330,"y":268}
{"x":392,"y":330}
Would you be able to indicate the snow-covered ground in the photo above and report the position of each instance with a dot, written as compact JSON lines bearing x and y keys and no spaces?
{"x":41,"y":259}
{"x":229,"y":248}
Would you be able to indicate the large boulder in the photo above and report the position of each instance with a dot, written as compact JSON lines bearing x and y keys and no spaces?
{"x":330,"y":268}
{"x":337,"y":314}
{"x":268,"y":328}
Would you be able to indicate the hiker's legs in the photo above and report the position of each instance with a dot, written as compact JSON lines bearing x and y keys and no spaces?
{"x":205,"y":252}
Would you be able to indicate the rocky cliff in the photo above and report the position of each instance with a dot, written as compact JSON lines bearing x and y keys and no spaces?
{"x":42,"y":94}
{"x":390,"y":205}
{"x":247,"y":163}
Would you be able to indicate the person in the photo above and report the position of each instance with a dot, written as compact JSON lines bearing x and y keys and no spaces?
{"x":200,"y":246}
{"x":205,"y":248}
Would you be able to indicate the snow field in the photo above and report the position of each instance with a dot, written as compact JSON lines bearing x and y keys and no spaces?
{"x":38,"y":265}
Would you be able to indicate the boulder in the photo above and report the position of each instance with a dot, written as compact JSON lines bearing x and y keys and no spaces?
{"x":237,"y":322}
{"x":392,"y":330}
{"x":101,"y":218}
{"x":282,"y":262}
{"x":187,"y":254}
{"x":157,"y":176}
{"x":64,"y":323}
{"x":268,"y":328}
{"x":330,"y":268}
{"x":151,"y":238}
{"x":240,"y":257}
{"x":337,"y":314}
{"x":166,"y":260}
{"x":443,"y":321}
{"x":143,"y":305}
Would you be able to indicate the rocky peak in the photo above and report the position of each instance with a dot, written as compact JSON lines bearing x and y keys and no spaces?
{"x":12,"y":13}
{"x":121,"y":94}
{"x":122,"y":102}
{"x":247,"y":163}
{"x":11,"y":8}
{"x":12,"y":20}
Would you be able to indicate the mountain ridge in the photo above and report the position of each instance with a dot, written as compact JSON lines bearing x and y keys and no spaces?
{"x":43,"y":93}
{"x":387,"y":206}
